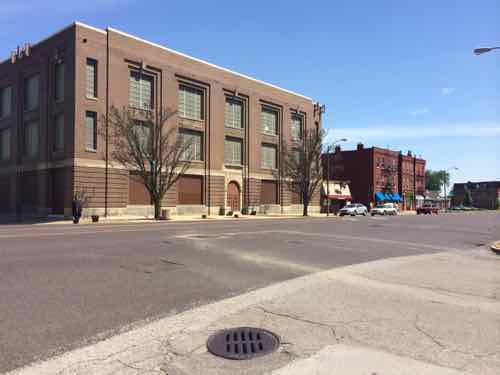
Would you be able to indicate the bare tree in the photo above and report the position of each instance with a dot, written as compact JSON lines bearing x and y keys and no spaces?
{"x":301,"y":165}
{"x":143,"y":142}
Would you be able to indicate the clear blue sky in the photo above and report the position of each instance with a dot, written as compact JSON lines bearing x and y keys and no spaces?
{"x":391,"y":73}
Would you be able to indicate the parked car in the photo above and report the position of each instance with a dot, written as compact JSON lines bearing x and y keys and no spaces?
{"x":384,"y":209}
{"x":461,"y":207}
{"x":428,"y":209}
{"x":354,"y":209}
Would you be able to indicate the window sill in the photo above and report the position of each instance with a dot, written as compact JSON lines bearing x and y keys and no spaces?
{"x":232,"y":128}
{"x":269,"y":169}
{"x":191,"y":119}
{"x":91,"y":150}
{"x":93,"y":98}
{"x":193,"y":161}
{"x":141,"y":109}
{"x":270,"y":134}
{"x":233,"y":166}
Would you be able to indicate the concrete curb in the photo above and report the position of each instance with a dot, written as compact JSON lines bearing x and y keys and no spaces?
{"x":495,"y":247}
{"x":183,"y":220}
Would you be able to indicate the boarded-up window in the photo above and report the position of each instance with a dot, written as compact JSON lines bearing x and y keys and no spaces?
{"x":268,"y":156}
{"x":296,"y":195}
{"x":5,"y":144}
{"x":141,"y":90}
{"x":190,"y":102}
{"x":59,"y":132}
{"x":5,"y":101}
{"x":137,"y":192}
{"x":59,"y":82}
{"x":269,"y":121}
{"x":193,"y":143}
{"x":91,"y":130}
{"x":233,"y":151}
{"x":31,"y":92}
{"x":91,"y":80}
{"x":269,"y":192}
{"x":233,"y":117}
{"x":190,"y":190}
{"x":31,"y":139}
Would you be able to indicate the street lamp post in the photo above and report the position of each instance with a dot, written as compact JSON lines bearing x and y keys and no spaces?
{"x":444,"y":186}
{"x":480,"y":51}
{"x":329,"y":148}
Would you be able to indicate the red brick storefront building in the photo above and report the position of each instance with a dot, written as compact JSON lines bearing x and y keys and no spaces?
{"x":54,"y":95}
{"x":373,"y":170}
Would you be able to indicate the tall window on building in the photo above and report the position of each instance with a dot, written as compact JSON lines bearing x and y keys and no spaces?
{"x":5,"y":101}
{"x":59,"y":82}
{"x":234,"y":113}
{"x":4,"y":144}
{"x":141,"y":90}
{"x":32,"y":92}
{"x":296,"y":127}
{"x":190,"y":102}
{"x":269,"y":121}
{"x":31,"y":139}
{"x":193,"y":142}
{"x":59,"y":132}
{"x":143,"y":133}
{"x":268,"y":156}
{"x":91,"y":131}
{"x":91,"y":79}
{"x":233,"y":149}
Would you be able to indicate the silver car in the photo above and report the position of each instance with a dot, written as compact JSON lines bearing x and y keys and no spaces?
{"x":354,"y":209}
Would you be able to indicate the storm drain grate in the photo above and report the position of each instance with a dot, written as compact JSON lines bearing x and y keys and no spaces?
{"x":242,"y":343}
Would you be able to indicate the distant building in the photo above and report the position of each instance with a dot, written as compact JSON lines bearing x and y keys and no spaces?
{"x":378,"y":175}
{"x":485,"y":194}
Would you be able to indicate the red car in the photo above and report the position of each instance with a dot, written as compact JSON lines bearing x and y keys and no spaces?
{"x":427,"y":209}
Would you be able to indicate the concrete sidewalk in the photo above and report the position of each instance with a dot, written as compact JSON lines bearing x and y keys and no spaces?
{"x":427,"y":314}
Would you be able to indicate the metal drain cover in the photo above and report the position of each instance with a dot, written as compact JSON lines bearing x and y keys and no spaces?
{"x":242,"y":343}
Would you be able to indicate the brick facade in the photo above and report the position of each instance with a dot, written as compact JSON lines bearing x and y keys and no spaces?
{"x":370,"y":170}
{"x":55,"y":176}
{"x":485,"y":194}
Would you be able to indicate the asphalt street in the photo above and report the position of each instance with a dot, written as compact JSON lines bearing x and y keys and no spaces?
{"x":62,"y":286}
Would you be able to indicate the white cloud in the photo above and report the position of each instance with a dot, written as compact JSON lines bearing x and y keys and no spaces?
{"x":420,"y":111}
{"x":384,"y":133}
{"x":445,"y":91}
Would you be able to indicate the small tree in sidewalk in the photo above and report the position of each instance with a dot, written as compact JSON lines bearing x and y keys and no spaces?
{"x":467,"y":198}
{"x":300,"y":166}
{"x":143,"y":142}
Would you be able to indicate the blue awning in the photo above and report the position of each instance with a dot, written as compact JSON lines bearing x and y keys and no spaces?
{"x":379,"y":196}
{"x":396,"y":197}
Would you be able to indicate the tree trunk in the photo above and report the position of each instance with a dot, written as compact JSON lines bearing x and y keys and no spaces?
{"x":157,"y":204}
{"x":305,"y":210}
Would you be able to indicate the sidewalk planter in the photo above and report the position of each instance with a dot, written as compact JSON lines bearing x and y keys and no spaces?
{"x":95,"y":218}
{"x":165,"y":214}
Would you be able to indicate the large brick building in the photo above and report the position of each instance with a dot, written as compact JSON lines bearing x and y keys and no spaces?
{"x":54,"y":94}
{"x":484,"y":194}
{"x":374,"y":170}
